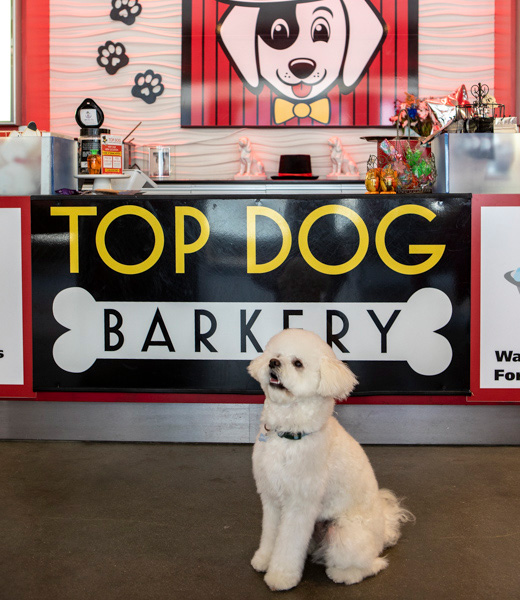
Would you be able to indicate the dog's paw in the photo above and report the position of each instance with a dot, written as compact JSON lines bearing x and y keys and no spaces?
{"x":260,"y":561}
{"x":353,"y":575}
{"x":281,"y":580}
{"x":148,"y":86}
{"x":112,"y":56}
{"x":125,"y":10}
{"x":348,"y":576}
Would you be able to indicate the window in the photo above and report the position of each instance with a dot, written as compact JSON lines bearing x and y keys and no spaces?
{"x":9,"y":61}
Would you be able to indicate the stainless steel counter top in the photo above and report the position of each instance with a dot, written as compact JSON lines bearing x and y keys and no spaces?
{"x":266,"y":187}
{"x":478,"y":163}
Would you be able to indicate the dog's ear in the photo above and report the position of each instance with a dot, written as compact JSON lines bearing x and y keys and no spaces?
{"x":236,"y":32}
{"x":256,"y":365}
{"x":337,"y":380}
{"x":367,"y":32}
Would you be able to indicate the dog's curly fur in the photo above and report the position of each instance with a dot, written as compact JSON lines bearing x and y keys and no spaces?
{"x":319,"y":493}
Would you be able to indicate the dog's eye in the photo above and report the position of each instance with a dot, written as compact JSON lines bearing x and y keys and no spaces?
{"x":277,"y":25}
{"x":320,"y":30}
{"x":280,"y":30}
{"x":298,"y":364}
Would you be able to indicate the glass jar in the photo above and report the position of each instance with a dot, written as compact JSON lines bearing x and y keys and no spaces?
{"x":89,"y":139}
{"x":94,"y":162}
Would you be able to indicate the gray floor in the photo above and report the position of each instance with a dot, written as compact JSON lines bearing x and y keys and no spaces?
{"x":171,"y":521}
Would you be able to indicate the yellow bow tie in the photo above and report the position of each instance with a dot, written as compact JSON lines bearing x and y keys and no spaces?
{"x":285,"y":110}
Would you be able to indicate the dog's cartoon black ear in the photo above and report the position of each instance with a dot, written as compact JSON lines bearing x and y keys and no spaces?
{"x":367,"y":32}
{"x":236,"y":33}
{"x":337,"y":380}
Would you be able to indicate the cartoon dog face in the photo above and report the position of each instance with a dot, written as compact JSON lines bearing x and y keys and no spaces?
{"x":301,"y":49}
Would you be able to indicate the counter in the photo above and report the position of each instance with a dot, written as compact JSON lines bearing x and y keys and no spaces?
{"x":174,"y":294}
{"x":480,"y":163}
{"x":146,"y":311}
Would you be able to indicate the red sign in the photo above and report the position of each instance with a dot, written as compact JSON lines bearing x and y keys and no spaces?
{"x":297,"y":63}
{"x":495,"y":355}
{"x":111,"y":154}
{"x":15,"y":300}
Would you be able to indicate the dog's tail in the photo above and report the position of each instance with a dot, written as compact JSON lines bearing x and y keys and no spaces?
{"x":395,"y":514}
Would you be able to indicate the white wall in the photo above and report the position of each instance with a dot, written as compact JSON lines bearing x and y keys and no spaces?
{"x":456,"y":42}
{"x":517,"y":61}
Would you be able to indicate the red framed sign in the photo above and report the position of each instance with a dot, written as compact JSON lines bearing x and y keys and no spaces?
{"x":15,"y":299}
{"x":495,"y":292}
{"x":294,"y":63}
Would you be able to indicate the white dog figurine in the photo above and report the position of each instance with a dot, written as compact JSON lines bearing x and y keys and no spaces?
{"x":342,"y":163}
{"x":250,"y":166}
{"x":318,"y":490}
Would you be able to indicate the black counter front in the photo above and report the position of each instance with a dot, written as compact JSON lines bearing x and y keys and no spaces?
{"x":178,"y":293}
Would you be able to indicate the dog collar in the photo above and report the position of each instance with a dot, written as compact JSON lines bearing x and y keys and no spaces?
{"x":292,"y":436}
{"x":288,"y":435}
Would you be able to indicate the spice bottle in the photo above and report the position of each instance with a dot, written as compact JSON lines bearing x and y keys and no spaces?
{"x":94,"y":162}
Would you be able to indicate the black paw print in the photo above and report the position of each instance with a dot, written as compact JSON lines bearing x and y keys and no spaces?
{"x":125,"y":10}
{"x":112,"y":56}
{"x":148,"y":86}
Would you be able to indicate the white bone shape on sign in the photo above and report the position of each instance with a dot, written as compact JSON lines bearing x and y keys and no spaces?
{"x":368,"y":331}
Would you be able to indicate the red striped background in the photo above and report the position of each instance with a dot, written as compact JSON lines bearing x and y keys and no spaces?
{"x":218,"y":98}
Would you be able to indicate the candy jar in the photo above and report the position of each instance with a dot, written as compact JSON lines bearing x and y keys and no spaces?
{"x":94,"y":162}
{"x":388,"y":180}
{"x":372,"y":181}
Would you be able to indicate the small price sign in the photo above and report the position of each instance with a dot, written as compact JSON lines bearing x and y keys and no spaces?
{"x":111,"y":155}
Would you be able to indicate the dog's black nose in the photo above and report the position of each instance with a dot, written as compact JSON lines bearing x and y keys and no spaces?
{"x":302,"y":67}
{"x":273,"y":363}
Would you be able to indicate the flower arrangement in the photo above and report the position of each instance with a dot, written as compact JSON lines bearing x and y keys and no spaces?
{"x":414,"y":113}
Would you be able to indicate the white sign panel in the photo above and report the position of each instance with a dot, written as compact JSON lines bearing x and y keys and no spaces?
{"x":500,"y":297}
{"x":11,"y":316}
{"x":400,"y":331}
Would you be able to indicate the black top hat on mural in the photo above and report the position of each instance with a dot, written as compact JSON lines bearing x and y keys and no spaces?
{"x":295,"y":166}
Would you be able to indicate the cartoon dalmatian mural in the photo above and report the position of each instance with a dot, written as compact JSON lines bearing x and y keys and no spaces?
{"x":301,"y":49}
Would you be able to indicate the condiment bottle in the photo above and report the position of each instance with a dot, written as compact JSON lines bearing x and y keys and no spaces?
{"x":94,"y":162}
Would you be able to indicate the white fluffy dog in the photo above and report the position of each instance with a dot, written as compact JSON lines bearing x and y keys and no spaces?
{"x":319,"y":492}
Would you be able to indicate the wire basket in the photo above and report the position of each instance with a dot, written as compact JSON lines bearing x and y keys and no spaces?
{"x":480,"y":115}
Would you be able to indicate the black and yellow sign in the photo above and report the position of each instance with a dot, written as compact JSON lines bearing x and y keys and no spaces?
{"x":176,"y":294}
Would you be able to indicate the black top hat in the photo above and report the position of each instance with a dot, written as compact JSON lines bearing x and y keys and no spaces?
{"x":295,"y":166}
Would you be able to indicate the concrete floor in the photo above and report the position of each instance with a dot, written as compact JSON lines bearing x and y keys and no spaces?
{"x":170,"y":521}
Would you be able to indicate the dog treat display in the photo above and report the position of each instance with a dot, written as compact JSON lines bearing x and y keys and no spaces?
{"x":404,"y":165}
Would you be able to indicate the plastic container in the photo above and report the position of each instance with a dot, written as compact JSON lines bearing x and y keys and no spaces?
{"x":159,"y":164}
